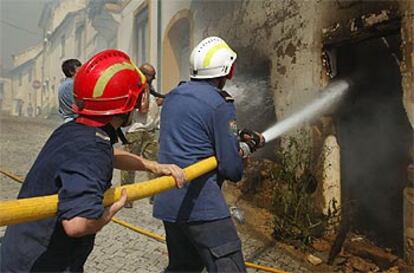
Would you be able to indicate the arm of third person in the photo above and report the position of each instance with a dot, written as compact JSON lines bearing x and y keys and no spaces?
{"x":128,"y":161}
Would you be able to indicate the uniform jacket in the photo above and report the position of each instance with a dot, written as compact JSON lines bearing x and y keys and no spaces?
{"x":197,"y":121}
{"x":76,"y":164}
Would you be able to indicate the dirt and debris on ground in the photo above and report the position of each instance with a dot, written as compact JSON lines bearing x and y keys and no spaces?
{"x":314,"y":260}
{"x":362,"y":247}
{"x":254,"y":196}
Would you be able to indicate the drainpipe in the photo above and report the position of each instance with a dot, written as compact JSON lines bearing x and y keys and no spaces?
{"x":43,"y":86}
{"x":159,"y":42}
{"x":408,"y":211}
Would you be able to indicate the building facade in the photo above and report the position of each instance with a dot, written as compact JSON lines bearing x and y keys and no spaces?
{"x":26,"y":83}
{"x":71,"y":29}
{"x":6,"y":95}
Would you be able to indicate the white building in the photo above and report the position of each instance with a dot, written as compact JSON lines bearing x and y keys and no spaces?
{"x":26,"y":95}
{"x":6,"y":95}
{"x":158,"y":32}
{"x":73,"y":29}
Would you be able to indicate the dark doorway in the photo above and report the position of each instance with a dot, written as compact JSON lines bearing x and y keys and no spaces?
{"x":375,"y":139}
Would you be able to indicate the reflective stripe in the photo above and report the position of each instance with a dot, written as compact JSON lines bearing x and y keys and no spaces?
{"x":107,"y":76}
{"x":102,"y":136}
{"x":142,"y":76}
{"x":212,"y":51}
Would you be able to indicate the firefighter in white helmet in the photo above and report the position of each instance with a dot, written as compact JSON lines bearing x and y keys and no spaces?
{"x":197,"y":121}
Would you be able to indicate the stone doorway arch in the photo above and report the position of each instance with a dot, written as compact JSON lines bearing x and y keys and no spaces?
{"x":177,"y":45}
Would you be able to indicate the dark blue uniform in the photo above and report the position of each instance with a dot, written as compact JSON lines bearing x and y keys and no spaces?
{"x":197,"y":121}
{"x":76,"y":164}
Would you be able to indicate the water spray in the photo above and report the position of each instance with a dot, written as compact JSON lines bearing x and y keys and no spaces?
{"x":330,"y":95}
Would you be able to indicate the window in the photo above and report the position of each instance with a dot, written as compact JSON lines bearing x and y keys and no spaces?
{"x":1,"y":90}
{"x":142,"y":37}
{"x":20,"y":79}
{"x":34,"y":75}
{"x":30,"y":75}
{"x":79,"y":40}
{"x":62,"y":46}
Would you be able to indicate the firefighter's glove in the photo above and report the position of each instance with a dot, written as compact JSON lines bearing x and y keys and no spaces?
{"x":250,"y":141}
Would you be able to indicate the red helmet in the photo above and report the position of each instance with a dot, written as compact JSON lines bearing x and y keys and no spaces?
{"x":106,"y":85}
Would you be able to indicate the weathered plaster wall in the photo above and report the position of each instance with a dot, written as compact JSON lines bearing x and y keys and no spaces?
{"x":287,"y":32}
{"x":279,"y":31}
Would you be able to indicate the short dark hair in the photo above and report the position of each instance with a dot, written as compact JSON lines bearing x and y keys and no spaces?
{"x":69,"y":67}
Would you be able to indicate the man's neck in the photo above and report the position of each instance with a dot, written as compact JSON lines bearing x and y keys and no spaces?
{"x":213,"y":82}
{"x":111,"y":132}
{"x":116,"y":123}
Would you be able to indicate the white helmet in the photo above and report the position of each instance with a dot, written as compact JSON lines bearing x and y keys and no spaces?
{"x":211,"y":58}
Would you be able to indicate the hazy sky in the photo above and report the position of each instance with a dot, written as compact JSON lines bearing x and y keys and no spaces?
{"x":19,"y":28}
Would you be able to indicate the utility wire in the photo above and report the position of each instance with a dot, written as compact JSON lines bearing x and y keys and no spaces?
{"x":18,"y":27}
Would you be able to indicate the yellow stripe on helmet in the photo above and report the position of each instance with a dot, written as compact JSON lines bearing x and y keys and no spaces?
{"x":107,"y":76}
{"x":212,"y":51}
{"x":141,"y":75}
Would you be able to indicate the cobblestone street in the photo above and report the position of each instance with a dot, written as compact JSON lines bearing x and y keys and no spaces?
{"x":117,"y":249}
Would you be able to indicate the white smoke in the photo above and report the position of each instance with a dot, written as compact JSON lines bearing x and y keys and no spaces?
{"x":254,"y":104}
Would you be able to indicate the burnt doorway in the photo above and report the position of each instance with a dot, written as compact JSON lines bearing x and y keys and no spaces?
{"x":375,"y":139}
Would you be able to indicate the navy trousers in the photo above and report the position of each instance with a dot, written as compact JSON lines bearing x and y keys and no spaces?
{"x":214,"y":245}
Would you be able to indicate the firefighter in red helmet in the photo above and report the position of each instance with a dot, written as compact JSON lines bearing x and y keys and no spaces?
{"x":77,"y":163}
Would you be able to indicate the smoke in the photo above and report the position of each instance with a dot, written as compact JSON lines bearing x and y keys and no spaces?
{"x":251,"y":95}
{"x":18,"y":31}
{"x":254,"y":104}
{"x":330,"y":96}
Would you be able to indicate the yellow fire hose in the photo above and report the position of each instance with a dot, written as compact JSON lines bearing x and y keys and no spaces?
{"x":38,"y":208}
{"x":190,"y":172}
